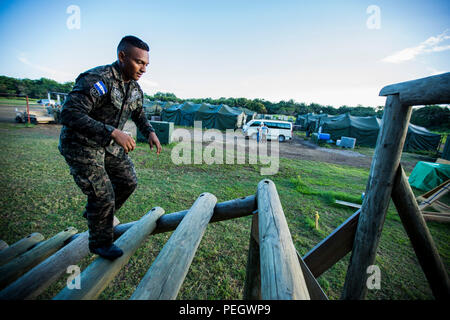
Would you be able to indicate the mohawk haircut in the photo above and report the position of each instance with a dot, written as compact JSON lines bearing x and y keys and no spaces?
{"x":131,"y":41}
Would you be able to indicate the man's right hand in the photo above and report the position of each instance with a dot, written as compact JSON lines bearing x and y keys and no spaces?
{"x":123,"y":140}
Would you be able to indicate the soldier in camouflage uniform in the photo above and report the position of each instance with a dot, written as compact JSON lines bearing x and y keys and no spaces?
{"x":93,"y":144}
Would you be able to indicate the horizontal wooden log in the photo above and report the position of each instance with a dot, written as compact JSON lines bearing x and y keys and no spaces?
{"x":3,"y":245}
{"x":166,"y":275}
{"x":420,"y":237}
{"x":281,"y":274}
{"x":18,"y":266}
{"x":226,"y":210}
{"x":439,"y":214}
{"x":429,"y":90}
{"x":333,"y":248}
{"x":35,"y":281}
{"x":20,"y":247}
{"x":95,"y":278}
{"x":433,"y":217}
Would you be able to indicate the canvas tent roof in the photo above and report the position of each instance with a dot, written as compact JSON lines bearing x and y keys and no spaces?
{"x":212,"y":116}
{"x":366,"y":129}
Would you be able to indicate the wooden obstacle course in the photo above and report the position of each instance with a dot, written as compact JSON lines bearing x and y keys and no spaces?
{"x":271,"y":245}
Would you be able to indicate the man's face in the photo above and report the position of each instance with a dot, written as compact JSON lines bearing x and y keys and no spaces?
{"x":134,"y":63}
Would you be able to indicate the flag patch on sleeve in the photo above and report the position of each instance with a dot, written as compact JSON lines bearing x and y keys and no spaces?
{"x":99,"y":89}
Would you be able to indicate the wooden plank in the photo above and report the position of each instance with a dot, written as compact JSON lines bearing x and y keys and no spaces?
{"x":166,"y":275}
{"x":252,"y":287}
{"x":348,"y":204}
{"x":333,"y":248}
{"x":434,"y":190}
{"x":35,"y":281}
{"x":420,"y":237}
{"x":434,"y":196}
{"x":377,"y":197}
{"x":95,"y":278}
{"x":281,"y":274}
{"x":432,"y":217}
{"x":226,"y":210}
{"x":429,"y":90}
{"x":442,"y":161}
{"x":16,"y":249}
{"x":314,"y":289}
{"x":15,"y":268}
{"x":433,"y":213}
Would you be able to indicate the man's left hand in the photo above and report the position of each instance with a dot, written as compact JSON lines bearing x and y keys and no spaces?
{"x":153,"y":140}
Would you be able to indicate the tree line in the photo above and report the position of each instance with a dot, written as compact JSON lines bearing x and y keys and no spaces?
{"x":35,"y":89}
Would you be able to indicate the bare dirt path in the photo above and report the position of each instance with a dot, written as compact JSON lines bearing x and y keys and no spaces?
{"x":298,"y":148}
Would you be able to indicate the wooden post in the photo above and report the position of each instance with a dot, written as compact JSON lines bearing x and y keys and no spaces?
{"x":166,"y":275}
{"x":35,"y":281}
{"x":20,"y":247}
{"x":102,"y":271}
{"x":281,"y":274}
{"x":15,"y":268}
{"x":333,"y":248}
{"x":420,"y":237}
{"x":378,"y":193}
{"x":252,"y":287}
{"x":28,"y":110}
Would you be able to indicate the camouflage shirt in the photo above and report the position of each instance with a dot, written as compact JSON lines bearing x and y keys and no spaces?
{"x":100,"y":102}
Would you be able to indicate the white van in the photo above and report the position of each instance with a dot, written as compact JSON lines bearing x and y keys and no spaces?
{"x":280,"y":130}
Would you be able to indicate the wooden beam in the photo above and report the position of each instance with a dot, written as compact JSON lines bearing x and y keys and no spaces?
{"x":15,"y":268}
{"x":433,"y":217}
{"x":333,"y":248}
{"x":429,"y":90}
{"x":226,"y":210}
{"x":420,"y":237}
{"x":252,"y":287}
{"x":432,"y":196}
{"x":20,"y":247}
{"x":281,"y":274}
{"x":314,"y":289}
{"x":166,"y":275}
{"x":35,"y":281}
{"x":377,"y":197}
{"x":348,"y":204}
{"x":101,"y":272}
{"x":434,"y":190}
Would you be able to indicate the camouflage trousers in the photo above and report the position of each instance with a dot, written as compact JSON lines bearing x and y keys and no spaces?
{"x":107,"y":181}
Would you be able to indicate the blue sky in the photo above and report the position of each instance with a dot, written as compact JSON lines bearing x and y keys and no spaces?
{"x":327,"y":52}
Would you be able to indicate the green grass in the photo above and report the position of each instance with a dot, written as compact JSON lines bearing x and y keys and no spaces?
{"x":16,"y":101}
{"x":38,"y":194}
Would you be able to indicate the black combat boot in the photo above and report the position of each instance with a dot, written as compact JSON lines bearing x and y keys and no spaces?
{"x":110,"y":252}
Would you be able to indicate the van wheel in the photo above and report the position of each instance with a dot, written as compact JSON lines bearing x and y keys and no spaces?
{"x":281,"y":138}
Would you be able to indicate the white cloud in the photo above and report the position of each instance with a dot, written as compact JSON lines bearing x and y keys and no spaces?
{"x":148,"y":86}
{"x":48,"y":72}
{"x":427,"y":46}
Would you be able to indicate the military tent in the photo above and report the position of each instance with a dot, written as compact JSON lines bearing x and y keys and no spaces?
{"x":366,"y":129}
{"x":212,"y":116}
